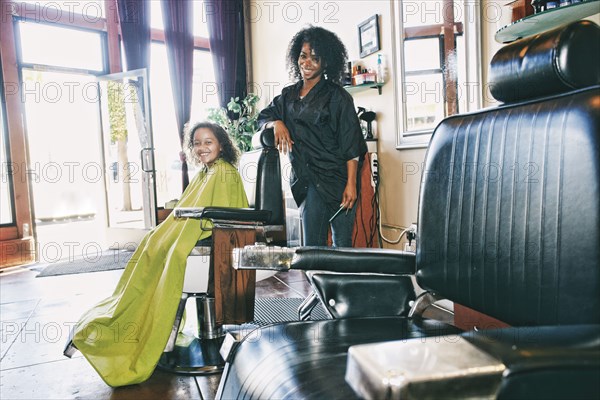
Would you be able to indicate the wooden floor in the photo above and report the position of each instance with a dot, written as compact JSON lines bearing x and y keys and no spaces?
{"x":36,"y":315}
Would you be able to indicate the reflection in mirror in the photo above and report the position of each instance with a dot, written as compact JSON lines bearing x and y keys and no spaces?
{"x":437,"y":64}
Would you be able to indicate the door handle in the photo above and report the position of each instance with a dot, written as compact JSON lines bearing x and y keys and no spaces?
{"x":147,"y":159}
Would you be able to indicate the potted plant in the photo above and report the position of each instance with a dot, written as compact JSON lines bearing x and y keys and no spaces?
{"x":238,"y":120}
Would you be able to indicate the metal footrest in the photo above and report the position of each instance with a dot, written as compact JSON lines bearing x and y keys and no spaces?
{"x":70,"y":348}
{"x":193,"y":356}
{"x":307,"y":306}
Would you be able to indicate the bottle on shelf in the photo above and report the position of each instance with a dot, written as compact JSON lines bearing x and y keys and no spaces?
{"x":379,"y":72}
{"x":348,"y":75}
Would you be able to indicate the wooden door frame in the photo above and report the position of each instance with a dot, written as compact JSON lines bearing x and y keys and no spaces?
{"x":16,"y":241}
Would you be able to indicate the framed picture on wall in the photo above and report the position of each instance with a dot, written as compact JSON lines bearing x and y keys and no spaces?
{"x":368,"y":36}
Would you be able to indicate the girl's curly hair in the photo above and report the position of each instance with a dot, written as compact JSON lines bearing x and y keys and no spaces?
{"x":326,"y":45}
{"x":229,"y":153}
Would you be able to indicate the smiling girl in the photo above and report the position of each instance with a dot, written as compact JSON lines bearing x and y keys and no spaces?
{"x":124,"y":335}
{"x":206,"y":142}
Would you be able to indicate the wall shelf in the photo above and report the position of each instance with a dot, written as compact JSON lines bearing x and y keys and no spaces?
{"x":545,"y":20}
{"x":364,"y":86}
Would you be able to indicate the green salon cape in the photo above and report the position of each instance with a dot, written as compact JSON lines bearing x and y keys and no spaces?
{"x":124,"y":335}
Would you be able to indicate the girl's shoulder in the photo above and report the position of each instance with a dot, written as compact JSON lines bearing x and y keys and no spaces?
{"x":222,"y":166}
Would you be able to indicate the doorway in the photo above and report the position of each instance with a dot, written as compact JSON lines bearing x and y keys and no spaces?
{"x":65,"y":165}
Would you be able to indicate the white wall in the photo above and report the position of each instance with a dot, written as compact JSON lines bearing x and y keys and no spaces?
{"x":272,"y":25}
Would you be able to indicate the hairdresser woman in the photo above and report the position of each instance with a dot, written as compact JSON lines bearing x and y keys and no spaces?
{"x":315,"y":122}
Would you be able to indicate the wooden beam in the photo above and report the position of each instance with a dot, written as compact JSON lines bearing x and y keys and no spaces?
{"x":112,"y":32}
{"x":450,"y":78}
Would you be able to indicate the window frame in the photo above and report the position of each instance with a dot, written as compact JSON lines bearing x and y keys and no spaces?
{"x":21,"y":64}
{"x":7,"y":156}
{"x":468,"y":28}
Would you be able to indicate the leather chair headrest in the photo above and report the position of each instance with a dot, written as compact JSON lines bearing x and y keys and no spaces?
{"x":556,"y":61}
{"x":263,"y":139}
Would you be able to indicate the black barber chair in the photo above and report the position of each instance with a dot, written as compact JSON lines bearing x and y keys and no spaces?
{"x":509,"y":225}
{"x":261,"y":173}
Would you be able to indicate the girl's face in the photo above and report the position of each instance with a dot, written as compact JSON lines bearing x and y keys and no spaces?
{"x":206,"y":146}
{"x":310,"y":64}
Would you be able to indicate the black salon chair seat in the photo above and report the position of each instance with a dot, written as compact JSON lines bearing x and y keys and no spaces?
{"x":509,"y":225}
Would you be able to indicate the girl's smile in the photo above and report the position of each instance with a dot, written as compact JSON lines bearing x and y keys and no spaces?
{"x":206,"y":146}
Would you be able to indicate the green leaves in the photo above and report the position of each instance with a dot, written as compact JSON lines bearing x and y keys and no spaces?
{"x":239,"y":120}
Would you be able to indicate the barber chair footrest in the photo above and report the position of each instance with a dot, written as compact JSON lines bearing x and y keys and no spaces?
{"x":193,"y":356}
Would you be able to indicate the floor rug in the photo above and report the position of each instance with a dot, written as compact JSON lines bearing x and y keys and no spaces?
{"x":106,"y":262}
{"x":273,"y":310}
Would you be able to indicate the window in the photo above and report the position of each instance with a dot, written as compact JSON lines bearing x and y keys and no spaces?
{"x":204,"y":94}
{"x":437,"y":53}
{"x":61,"y":116}
{"x":200,"y":24}
{"x":164,"y":125}
{"x":89,"y":10}
{"x":61,"y":47}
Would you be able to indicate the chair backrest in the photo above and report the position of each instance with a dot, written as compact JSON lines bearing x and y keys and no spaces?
{"x":509,"y":220}
{"x":261,"y":173}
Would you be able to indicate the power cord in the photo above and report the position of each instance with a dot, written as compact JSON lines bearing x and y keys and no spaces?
{"x":410,"y":232}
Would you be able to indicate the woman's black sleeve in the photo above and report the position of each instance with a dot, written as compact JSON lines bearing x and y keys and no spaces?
{"x":272,"y":112}
{"x":350,"y":138}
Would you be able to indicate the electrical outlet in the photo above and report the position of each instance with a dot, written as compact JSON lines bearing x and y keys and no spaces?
{"x":411,"y":236}
{"x":374,"y":169}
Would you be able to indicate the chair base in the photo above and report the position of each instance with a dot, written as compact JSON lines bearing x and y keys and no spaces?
{"x":70,"y":349}
{"x":193,"y":356}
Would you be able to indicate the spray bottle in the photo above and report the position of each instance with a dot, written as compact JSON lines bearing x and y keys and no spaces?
{"x":380,"y":77}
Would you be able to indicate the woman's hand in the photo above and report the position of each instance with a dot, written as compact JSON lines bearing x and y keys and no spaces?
{"x":349,"y":196}
{"x":283,"y":140}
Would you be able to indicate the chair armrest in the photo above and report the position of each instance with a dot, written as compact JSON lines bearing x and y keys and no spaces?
{"x":223,"y":214}
{"x":423,"y":368}
{"x":524,"y":362}
{"x":540,"y":360}
{"x":344,"y":260}
{"x":354,"y":260}
{"x":540,"y":347}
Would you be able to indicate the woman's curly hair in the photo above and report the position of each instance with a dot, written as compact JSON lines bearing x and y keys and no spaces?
{"x":229,"y":152}
{"x":326,"y":45}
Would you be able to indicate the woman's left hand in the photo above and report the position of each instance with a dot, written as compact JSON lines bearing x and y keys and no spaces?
{"x":349,"y":196}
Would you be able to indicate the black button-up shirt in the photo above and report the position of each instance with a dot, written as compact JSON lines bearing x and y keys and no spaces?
{"x":326,"y":134}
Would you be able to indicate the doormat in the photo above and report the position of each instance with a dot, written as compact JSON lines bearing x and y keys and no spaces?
{"x":273,"y":310}
{"x":110,"y":261}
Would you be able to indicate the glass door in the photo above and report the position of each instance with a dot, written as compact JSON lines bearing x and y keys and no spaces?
{"x":128,"y":150}
{"x":59,"y":96}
